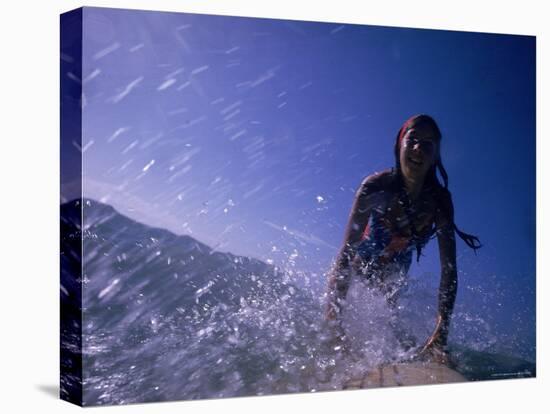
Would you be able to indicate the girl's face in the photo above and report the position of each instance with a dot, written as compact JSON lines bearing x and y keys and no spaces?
{"x":418,"y":152}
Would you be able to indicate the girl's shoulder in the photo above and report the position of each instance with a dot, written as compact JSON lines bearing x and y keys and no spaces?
{"x":378,"y":181}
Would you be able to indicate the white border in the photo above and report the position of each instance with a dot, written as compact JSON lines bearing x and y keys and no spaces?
{"x":29,"y":173}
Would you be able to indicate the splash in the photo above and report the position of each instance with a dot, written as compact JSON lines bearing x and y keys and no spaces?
{"x":169,"y":318}
{"x":274,"y":340}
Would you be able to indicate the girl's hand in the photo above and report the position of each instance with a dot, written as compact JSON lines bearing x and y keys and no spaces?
{"x":331,"y":314}
{"x":435,"y":348}
{"x":434,"y":352}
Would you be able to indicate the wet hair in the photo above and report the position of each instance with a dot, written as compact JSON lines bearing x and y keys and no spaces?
{"x":431,"y":176}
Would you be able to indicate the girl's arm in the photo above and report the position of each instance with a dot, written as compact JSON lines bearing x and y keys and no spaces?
{"x":444,"y":221}
{"x":339,"y":277}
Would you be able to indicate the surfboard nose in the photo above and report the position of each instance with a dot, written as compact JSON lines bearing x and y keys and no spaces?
{"x":403,"y":374}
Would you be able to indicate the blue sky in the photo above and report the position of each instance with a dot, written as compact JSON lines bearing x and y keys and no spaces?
{"x":253,"y":134}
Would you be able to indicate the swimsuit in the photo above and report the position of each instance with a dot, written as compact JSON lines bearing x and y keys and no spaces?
{"x":384,"y":251}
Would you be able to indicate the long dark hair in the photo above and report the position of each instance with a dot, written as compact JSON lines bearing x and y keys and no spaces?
{"x":431,"y":175}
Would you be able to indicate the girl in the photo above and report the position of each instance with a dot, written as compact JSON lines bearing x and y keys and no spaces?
{"x":394,"y":213}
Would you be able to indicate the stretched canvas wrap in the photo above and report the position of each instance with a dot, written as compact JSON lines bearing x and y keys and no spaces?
{"x":256,"y":206}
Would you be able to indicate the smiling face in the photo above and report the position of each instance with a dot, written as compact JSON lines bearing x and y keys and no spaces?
{"x":418,"y":151}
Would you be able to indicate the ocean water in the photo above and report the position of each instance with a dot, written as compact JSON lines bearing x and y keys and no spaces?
{"x":168,"y":318}
{"x":258,"y":348}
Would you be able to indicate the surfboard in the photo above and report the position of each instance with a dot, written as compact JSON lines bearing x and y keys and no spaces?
{"x":406,"y":373}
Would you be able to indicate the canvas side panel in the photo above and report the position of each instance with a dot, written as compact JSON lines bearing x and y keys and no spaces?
{"x":71,"y":206}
